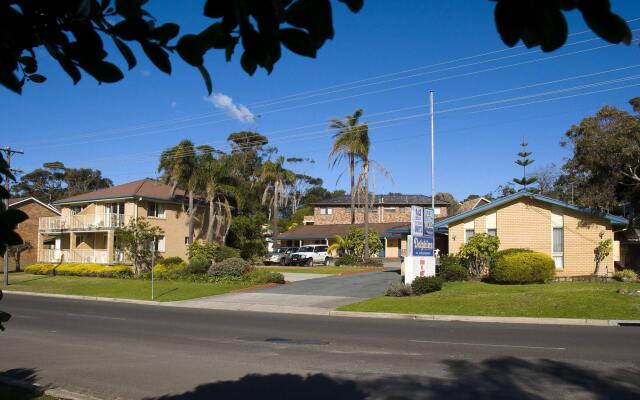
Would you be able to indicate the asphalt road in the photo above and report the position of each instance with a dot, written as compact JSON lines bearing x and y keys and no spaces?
{"x":128,"y":351}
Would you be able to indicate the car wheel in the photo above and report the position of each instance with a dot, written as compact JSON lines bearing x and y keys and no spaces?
{"x":310,"y":262}
{"x":267,"y":263}
{"x":326,"y":261}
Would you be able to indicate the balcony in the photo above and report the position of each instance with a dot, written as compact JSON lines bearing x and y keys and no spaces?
{"x":90,"y":222}
{"x":85,"y":256}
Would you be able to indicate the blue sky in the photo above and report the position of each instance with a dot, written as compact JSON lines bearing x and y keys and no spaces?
{"x":485,"y":104}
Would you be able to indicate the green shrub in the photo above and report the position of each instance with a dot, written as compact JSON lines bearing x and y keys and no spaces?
{"x":275,"y":277}
{"x":198,"y":265}
{"x":224,"y":252}
{"x":199,"y":249}
{"x":231,"y":267}
{"x":523,"y":267}
{"x":515,"y":250}
{"x":74,"y":269}
{"x":479,"y":253}
{"x":171,"y":261}
{"x":623,"y":276}
{"x":162,"y":270}
{"x":423,"y":285}
{"x":398,"y":289}
{"x":350,"y":260}
{"x":346,"y":260}
{"x":454,"y":273}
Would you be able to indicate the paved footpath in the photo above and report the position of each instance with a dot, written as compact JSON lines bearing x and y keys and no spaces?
{"x":304,"y":295}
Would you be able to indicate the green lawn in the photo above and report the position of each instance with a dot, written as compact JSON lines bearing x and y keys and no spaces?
{"x":559,"y":300}
{"x":14,"y":393}
{"x":121,"y":288}
{"x":319,"y":270}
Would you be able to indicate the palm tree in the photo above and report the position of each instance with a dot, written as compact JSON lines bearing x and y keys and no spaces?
{"x":178,"y":165}
{"x":277,"y":180}
{"x":215,"y":179}
{"x":339,"y":245}
{"x":348,"y":144}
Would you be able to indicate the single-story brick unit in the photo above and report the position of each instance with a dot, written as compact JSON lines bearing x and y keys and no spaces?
{"x":567,"y":233}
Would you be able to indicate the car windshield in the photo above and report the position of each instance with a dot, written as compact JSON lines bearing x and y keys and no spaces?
{"x":280,"y":250}
{"x":292,"y":250}
{"x":306,"y":249}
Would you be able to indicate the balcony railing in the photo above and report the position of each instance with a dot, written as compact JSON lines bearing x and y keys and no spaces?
{"x":88,"y":256}
{"x":83,"y":222}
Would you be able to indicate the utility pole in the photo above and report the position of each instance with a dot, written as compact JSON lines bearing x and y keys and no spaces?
{"x":433,"y":155}
{"x":7,"y":185}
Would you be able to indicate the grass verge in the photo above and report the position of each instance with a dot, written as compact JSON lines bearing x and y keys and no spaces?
{"x":343,"y":269}
{"x":554,"y":300}
{"x":137,"y":289}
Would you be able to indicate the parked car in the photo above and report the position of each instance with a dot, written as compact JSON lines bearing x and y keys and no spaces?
{"x":277,"y":256}
{"x":311,"y":255}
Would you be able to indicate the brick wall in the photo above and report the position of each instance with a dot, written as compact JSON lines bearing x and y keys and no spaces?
{"x":526,"y":223}
{"x":342,"y":215}
{"x":28,"y":229}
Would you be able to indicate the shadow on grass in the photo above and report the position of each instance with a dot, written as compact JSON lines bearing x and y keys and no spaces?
{"x":19,"y":384}
{"x":38,"y":278}
{"x":166,"y":292}
{"x":497,"y":378}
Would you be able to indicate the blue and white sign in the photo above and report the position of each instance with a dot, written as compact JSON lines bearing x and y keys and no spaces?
{"x":421,"y":246}
{"x":417,"y":221}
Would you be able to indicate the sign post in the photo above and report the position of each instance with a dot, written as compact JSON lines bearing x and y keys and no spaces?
{"x":420,"y":260}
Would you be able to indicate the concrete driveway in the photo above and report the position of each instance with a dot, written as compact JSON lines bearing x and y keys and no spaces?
{"x":317,"y":295}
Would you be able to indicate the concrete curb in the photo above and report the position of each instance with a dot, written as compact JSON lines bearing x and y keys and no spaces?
{"x":41,"y":390}
{"x":231,"y":306}
{"x":465,"y":318}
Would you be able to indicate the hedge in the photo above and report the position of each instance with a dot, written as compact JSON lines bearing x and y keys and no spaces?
{"x":523,"y":267}
{"x":231,"y":267}
{"x":71,"y":269}
{"x":423,"y":285}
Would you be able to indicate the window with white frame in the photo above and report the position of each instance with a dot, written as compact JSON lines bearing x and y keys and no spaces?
{"x":490,"y":221}
{"x":437,"y":211}
{"x":74,"y":210}
{"x":115,"y":208}
{"x":326,"y":210}
{"x":557,"y":239}
{"x":159,"y":244}
{"x":469,"y":230}
{"x":155,"y":210}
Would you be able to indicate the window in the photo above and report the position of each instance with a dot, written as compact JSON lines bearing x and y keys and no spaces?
{"x":115,"y":208}
{"x":159,"y":244}
{"x":469,"y":230}
{"x":186,"y":240}
{"x":557,"y":240}
{"x":490,"y":221}
{"x":155,"y":210}
{"x":326,"y":211}
{"x":390,"y":209}
{"x":79,"y":240}
{"x":436,"y":211}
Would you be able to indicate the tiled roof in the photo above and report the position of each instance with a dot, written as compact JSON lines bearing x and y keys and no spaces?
{"x":614,"y":219}
{"x":146,"y":188}
{"x":310,"y":232}
{"x":386,"y":199}
{"x":471,"y":204}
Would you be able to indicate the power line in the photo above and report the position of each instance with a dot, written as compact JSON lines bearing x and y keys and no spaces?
{"x":319,"y":133}
{"x":205,"y":115}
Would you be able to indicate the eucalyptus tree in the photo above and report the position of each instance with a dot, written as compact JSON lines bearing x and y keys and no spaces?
{"x":178,"y":165}
{"x":348,"y":144}
{"x":277,"y":180}
{"x":216,"y":178}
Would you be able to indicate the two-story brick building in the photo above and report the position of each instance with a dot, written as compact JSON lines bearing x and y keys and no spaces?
{"x":332,"y":217}
{"x":28,"y":230}
{"x":85,"y":230}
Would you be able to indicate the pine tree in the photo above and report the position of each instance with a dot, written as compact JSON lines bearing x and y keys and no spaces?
{"x":524,"y":161}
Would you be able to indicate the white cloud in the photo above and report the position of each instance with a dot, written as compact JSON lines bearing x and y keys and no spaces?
{"x":235,"y":111}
